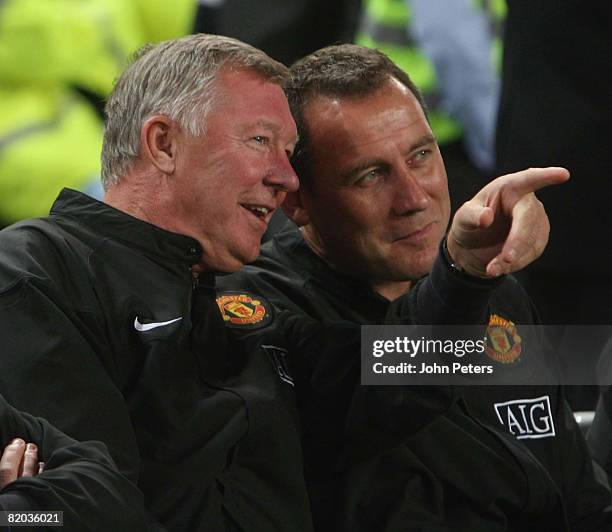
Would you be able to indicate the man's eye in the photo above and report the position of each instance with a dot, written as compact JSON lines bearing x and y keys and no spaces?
{"x":261,"y":139}
{"x":421,"y":155}
{"x":368,"y":178}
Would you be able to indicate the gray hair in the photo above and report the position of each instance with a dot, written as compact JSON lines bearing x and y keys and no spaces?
{"x":177,"y":79}
{"x":343,"y":71}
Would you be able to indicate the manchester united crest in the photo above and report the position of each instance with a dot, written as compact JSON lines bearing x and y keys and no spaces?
{"x":240,"y":309}
{"x":503,"y":340}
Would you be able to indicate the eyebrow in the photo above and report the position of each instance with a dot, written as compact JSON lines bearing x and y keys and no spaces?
{"x":423,"y":141}
{"x":265,"y":123}
{"x":372,"y":163}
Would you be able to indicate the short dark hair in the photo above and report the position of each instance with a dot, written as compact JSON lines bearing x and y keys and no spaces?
{"x":345,"y":71}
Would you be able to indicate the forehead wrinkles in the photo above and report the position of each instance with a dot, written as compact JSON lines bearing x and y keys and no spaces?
{"x":252,"y":102}
{"x":386,"y":128}
{"x":370,"y":119}
{"x":380,"y":117}
{"x":236,"y":86}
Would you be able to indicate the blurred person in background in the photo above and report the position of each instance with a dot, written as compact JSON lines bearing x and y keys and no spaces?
{"x":285,"y":29}
{"x":58,"y":62}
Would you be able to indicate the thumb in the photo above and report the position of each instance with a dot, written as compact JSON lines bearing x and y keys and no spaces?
{"x":472,"y":216}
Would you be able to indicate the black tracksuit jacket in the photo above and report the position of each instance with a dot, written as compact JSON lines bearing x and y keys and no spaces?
{"x":99,"y":337}
{"x":292,"y":277}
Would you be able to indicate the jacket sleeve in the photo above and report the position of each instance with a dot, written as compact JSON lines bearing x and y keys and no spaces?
{"x":445,"y":296}
{"x":54,"y":365}
{"x":80,"y":479}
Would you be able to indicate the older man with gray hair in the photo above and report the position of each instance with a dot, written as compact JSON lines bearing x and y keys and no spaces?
{"x":96,"y":300}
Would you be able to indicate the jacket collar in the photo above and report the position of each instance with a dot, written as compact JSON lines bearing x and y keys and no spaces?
{"x":118,"y":225}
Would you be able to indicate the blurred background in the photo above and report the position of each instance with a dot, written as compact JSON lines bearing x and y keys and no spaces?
{"x":59,"y":59}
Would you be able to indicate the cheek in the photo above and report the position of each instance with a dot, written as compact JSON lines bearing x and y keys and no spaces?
{"x":440,"y":183}
{"x":437,"y":190}
{"x":349,"y":232}
{"x":341,"y":217}
{"x":361,"y":211}
{"x":359,"y":237}
{"x":363,"y":222}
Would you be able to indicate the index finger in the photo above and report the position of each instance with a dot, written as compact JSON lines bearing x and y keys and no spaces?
{"x":532,"y":179}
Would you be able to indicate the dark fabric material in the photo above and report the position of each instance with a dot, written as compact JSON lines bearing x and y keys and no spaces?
{"x":599,"y":437}
{"x":290,"y":275}
{"x":282,"y":28}
{"x":96,"y":318}
{"x":455,"y":474}
{"x":555,"y":111}
{"x":588,"y":302}
{"x":80,"y":479}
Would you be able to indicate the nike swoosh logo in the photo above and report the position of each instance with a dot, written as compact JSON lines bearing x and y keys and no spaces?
{"x":143,"y":327}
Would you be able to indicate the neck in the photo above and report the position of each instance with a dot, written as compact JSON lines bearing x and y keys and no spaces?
{"x":144,"y":195}
{"x":121,"y":199}
{"x":391,"y":290}
{"x":137,"y":195}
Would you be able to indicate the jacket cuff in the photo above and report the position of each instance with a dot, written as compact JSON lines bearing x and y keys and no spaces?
{"x":465,"y":296}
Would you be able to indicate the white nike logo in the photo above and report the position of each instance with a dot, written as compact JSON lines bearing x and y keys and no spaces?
{"x":142,"y":327}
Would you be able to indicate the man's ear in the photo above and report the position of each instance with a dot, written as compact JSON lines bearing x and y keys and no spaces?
{"x":294,"y":208}
{"x":158,"y":140}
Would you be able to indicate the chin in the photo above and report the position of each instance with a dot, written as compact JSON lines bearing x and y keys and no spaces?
{"x":246,"y":256}
{"x":416,"y":267}
{"x":230,"y":263}
{"x":245,"y":251}
{"x":228,"y":258}
{"x":416,"y":272}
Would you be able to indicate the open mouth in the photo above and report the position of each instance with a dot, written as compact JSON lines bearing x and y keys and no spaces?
{"x":259,"y":211}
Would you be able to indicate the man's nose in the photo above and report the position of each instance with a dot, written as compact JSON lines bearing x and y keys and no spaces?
{"x":410,"y":196}
{"x":283,"y":176}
